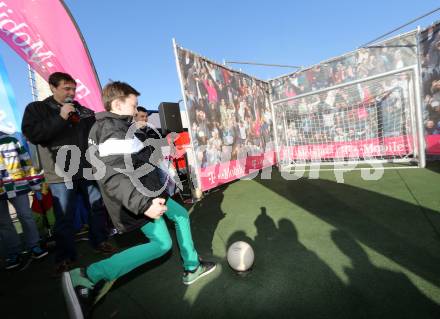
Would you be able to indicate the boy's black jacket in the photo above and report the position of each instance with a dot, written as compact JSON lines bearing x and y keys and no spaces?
{"x":122,"y":197}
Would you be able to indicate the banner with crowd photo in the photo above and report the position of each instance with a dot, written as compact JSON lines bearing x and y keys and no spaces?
{"x":388,"y":55}
{"x":230,"y":120}
{"x":430,"y":62}
{"x":45,"y":35}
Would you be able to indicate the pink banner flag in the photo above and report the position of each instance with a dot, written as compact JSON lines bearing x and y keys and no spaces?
{"x":45,"y":35}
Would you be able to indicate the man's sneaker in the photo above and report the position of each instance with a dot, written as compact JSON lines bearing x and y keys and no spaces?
{"x":18,"y":262}
{"x":38,"y":252}
{"x":205,"y":268}
{"x":61,"y":267}
{"x":13,"y":262}
{"x":79,"y":293}
{"x":106,"y":248}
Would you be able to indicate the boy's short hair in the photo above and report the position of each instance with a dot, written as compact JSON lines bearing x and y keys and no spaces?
{"x":56,"y":78}
{"x":116,"y":90}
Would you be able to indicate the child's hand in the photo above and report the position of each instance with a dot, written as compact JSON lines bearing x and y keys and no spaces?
{"x":157,"y":208}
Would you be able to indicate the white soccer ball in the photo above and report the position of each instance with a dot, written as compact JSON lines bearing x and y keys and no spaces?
{"x":240,"y":256}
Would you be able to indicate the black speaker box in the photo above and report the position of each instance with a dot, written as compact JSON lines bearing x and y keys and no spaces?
{"x":170,"y":120}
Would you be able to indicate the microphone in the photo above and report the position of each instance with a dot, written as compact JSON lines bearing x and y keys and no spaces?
{"x":73,"y":116}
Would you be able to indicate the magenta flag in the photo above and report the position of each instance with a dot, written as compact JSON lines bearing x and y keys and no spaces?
{"x":45,"y":35}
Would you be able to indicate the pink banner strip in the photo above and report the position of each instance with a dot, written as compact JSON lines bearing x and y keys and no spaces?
{"x":433,"y":144}
{"x":216,"y":175}
{"x":389,"y":146}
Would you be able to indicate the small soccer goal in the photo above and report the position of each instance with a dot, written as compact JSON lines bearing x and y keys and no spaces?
{"x":373,"y":120}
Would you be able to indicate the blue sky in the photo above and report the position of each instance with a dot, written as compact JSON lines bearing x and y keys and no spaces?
{"x":131,"y":40}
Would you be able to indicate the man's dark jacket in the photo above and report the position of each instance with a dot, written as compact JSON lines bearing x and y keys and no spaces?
{"x":43,"y":126}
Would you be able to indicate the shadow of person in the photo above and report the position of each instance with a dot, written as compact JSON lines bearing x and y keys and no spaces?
{"x":265,"y":226}
{"x":205,"y":216}
{"x":381,"y":293}
{"x":404,"y":232}
{"x":286,"y":280}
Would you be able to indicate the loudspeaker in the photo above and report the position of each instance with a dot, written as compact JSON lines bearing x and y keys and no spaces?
{"x":170,"y":120}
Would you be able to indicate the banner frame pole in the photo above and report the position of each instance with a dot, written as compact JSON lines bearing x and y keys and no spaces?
{"x":413,"y":114}
{"x":274,"y":128}
{"x":196,"y":190}
{"x":35,"y":155}
{"x":419,"y":103}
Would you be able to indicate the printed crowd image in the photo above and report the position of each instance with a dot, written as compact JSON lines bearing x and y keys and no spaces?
{"x":389,"y":55}
{"x":229,"y":112}
{"x":430,"y":59}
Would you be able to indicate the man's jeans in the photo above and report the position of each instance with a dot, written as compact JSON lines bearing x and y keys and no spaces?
{"x":65,"y":202}
{"x":8,"y":234}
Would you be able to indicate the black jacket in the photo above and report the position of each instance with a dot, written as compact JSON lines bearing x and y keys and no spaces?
{"x":43,"y":126}
{"x":124,"y":197}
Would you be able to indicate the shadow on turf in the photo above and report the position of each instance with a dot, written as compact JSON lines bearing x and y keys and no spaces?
{"x":288,"y":280}
{"x":381,"y":293}
{"x":403,"y":232}
{"x":433,"y":164}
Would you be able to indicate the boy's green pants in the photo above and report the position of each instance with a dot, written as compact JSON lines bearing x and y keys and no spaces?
{"x":160,"y":242}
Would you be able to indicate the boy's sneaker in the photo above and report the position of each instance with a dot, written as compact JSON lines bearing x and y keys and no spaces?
{"x":79,"y":293}
{"x":13,"y":262}
{"x":205,"y":268}
{"x":38,"y":252}
{"x":102,"y":288}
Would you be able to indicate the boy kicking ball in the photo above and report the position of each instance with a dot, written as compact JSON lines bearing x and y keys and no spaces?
{"x":130,"y":207}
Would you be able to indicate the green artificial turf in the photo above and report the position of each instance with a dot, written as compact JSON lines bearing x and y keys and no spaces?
{"x":359,"y":249}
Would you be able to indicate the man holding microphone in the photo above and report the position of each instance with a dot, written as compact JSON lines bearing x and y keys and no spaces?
{"x":51,"y":124}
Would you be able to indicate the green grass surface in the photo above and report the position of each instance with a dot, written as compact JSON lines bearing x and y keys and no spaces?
{"x":361,"y":249}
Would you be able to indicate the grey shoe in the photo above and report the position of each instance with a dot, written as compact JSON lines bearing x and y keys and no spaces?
{"x":204,"y":268}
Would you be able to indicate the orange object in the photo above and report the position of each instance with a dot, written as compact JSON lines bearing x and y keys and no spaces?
{"x":181,"y":142}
